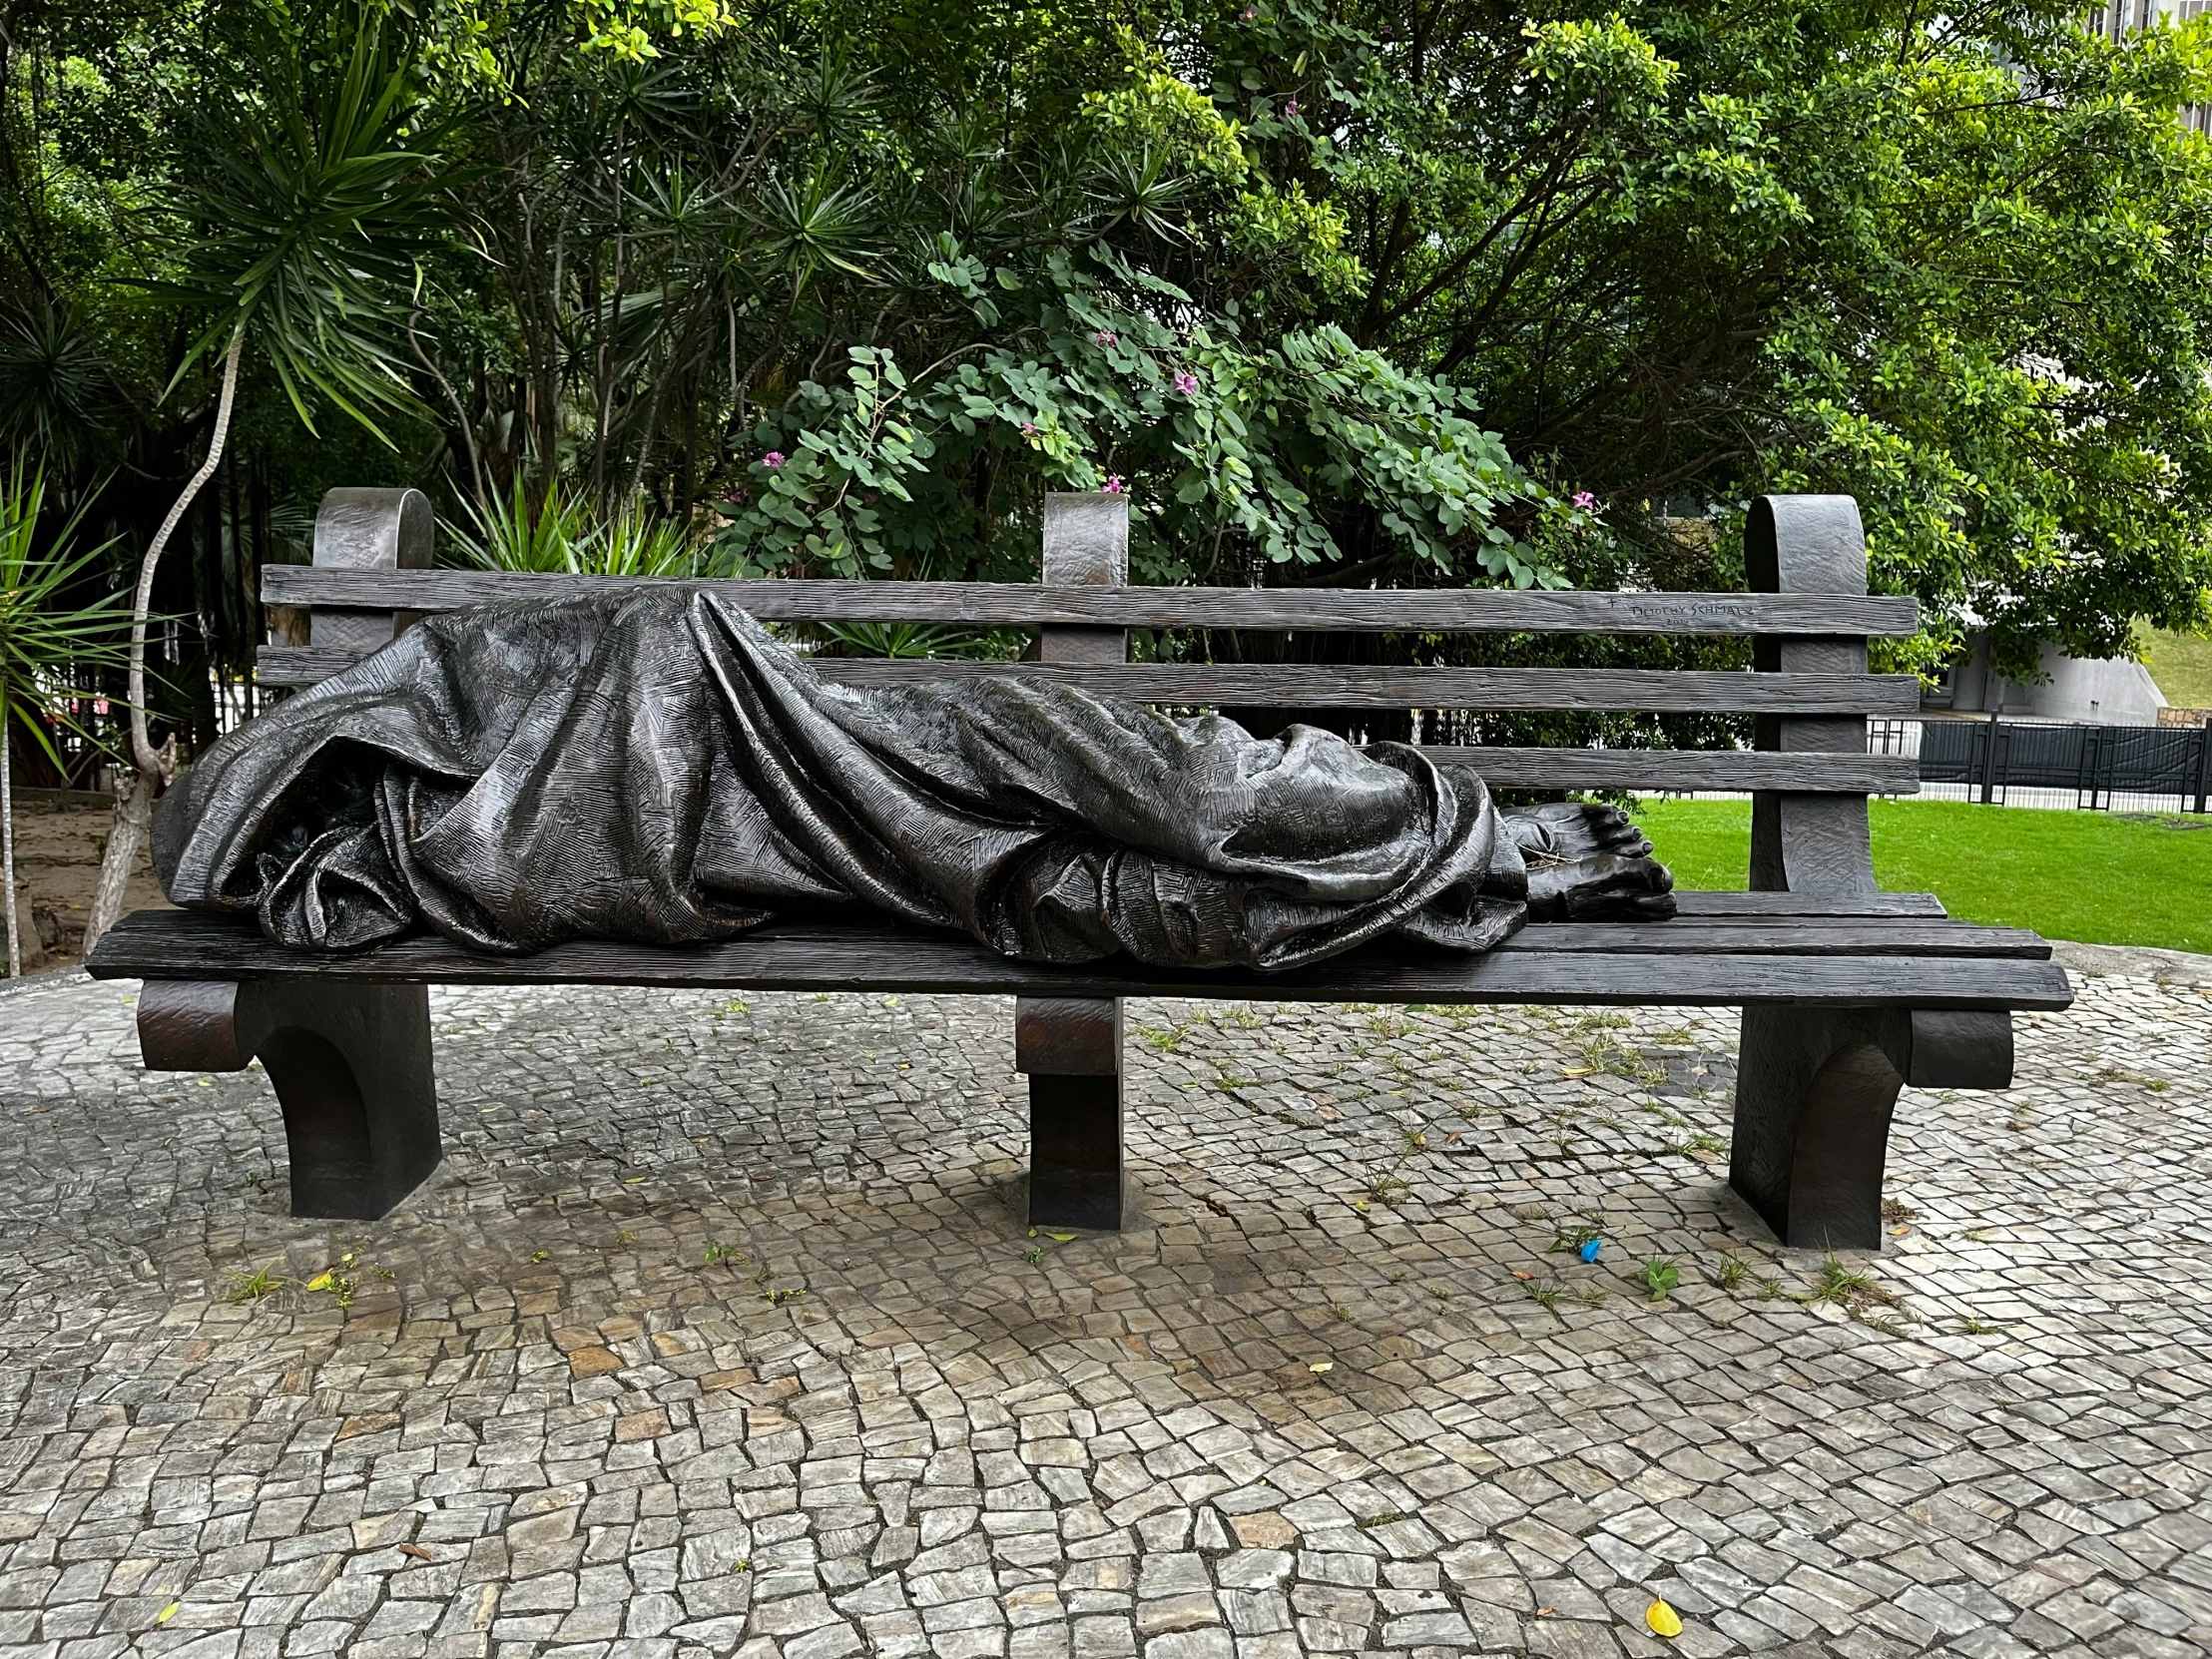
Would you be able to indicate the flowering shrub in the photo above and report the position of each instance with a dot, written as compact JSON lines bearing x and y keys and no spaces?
{"x":1213,"y":438}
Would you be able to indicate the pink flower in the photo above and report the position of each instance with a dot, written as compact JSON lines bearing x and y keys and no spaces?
{"x":1247,"y":15}
{"x":1112,"y":485}
{"x":1106,"y":336}
{"x":1290,"y":106}
{"x":1028,"y":428}
{"x":99,"y":705}
{"x":772,"y":459}
{"x":1185,"y":381}
{"x":1584,"y":500}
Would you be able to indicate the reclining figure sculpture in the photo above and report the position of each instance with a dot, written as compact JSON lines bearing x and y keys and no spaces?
{"x":651,"y":765}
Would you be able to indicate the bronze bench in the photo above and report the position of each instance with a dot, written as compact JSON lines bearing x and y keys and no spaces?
{"x":1847,"y":993}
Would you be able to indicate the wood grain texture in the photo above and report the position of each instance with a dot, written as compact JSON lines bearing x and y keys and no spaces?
{"x":351,"y":1064}
{"x":1815,"y":1090}
{"x":1672,"y":691}
{"x":1784,"y":936}
{"x":1086,"y":545}
{"x":379,"y":531}
{"x":190,"y":1025}
{"x":1957,"y":1048}
{"x":1805,"y":842}
{"x":1068,"y":1036}
{"x":1700,"y":903}
{"x":1643,"y":967}
{"x":1014,"y":604}
{"x":1684,"y":769}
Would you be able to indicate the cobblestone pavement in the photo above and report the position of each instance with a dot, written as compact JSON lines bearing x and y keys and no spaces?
{"x":717,"y":1333}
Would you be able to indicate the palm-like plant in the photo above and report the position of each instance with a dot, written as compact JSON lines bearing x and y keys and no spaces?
{"x":43,"y":637}
{"x":57,"y":396}
{"x":312,"y":206}
{"x":557,"y":534}
{"x":506,"y":532}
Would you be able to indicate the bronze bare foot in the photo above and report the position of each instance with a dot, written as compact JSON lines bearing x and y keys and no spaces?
{"x":1588,"y":862}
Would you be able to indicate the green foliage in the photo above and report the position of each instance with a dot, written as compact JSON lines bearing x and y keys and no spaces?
{"x":1953,"y":264}
{"x":1251,"y":441}
{"x":557,"y":533}
{"x":57,"y":398}
{"x":1337,"y":293}
{"x":510,"y":532}
{"x":44,"y":629}
{"x":244,"y":1286}
{"x":305,"y":210}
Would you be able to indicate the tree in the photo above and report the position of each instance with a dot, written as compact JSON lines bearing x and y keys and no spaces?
{"x":1952,"y":262}
{"x":308,"y":210}
{"x":45,"y":636}
{"x":749,"y":268}
{"x":1339,"y":289}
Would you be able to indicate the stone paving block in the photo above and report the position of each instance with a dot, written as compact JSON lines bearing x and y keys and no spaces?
{"x":719,"y":1333}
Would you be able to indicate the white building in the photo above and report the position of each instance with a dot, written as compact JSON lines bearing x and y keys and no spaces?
{"x":2111,"y":692}
{"x":2117,"y":21}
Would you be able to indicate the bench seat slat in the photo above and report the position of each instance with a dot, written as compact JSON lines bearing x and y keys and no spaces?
{"x":1677,"y":691}
{"x":177,"y":945}
{"x":1787,"y":935}
{"x":1017,"y":604}
{"x":1783,"y":936}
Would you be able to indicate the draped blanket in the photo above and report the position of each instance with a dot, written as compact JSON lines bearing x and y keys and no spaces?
{"x":651,"y":765}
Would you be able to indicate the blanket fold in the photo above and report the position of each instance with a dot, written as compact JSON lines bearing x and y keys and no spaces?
{"x":651,"y":765}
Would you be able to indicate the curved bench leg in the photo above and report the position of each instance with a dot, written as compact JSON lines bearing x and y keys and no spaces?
{"x":1815,"y":1090}
{"x":351,"y":1065}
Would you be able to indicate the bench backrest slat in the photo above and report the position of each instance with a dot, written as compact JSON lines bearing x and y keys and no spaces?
{"x":1027,"y":604}
{"x":1809,"y":771}
{"x":1327,"y":686}
{"x":1731,"y":771}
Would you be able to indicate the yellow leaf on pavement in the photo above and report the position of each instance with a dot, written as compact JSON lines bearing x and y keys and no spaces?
{"x":1664,"y":1620}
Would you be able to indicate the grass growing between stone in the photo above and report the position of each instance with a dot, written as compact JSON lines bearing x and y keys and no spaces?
{"x":2100,"y":878}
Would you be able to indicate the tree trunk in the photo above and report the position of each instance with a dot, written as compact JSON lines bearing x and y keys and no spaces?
{"x":134,"y":818}
{"x":7,"y":846}
{"x":134,"y":805}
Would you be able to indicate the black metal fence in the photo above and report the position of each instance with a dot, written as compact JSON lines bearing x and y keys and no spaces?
{"x":2097,"y":762}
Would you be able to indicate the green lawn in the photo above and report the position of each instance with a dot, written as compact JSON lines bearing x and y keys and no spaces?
{"x":2183,"y":666}
{"x":2094,"y":876}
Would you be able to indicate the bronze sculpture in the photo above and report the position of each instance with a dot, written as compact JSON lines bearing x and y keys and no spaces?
{"x":649,"y":765}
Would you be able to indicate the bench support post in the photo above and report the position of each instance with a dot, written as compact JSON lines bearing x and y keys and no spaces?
{"x":351,"y":1064}
{"x":1072,"y":1045}
{"x":1814,"y":1088}
{"x":1804,"y":842}
{"x":1071,"y":1048}
{"x":369,"y":529}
